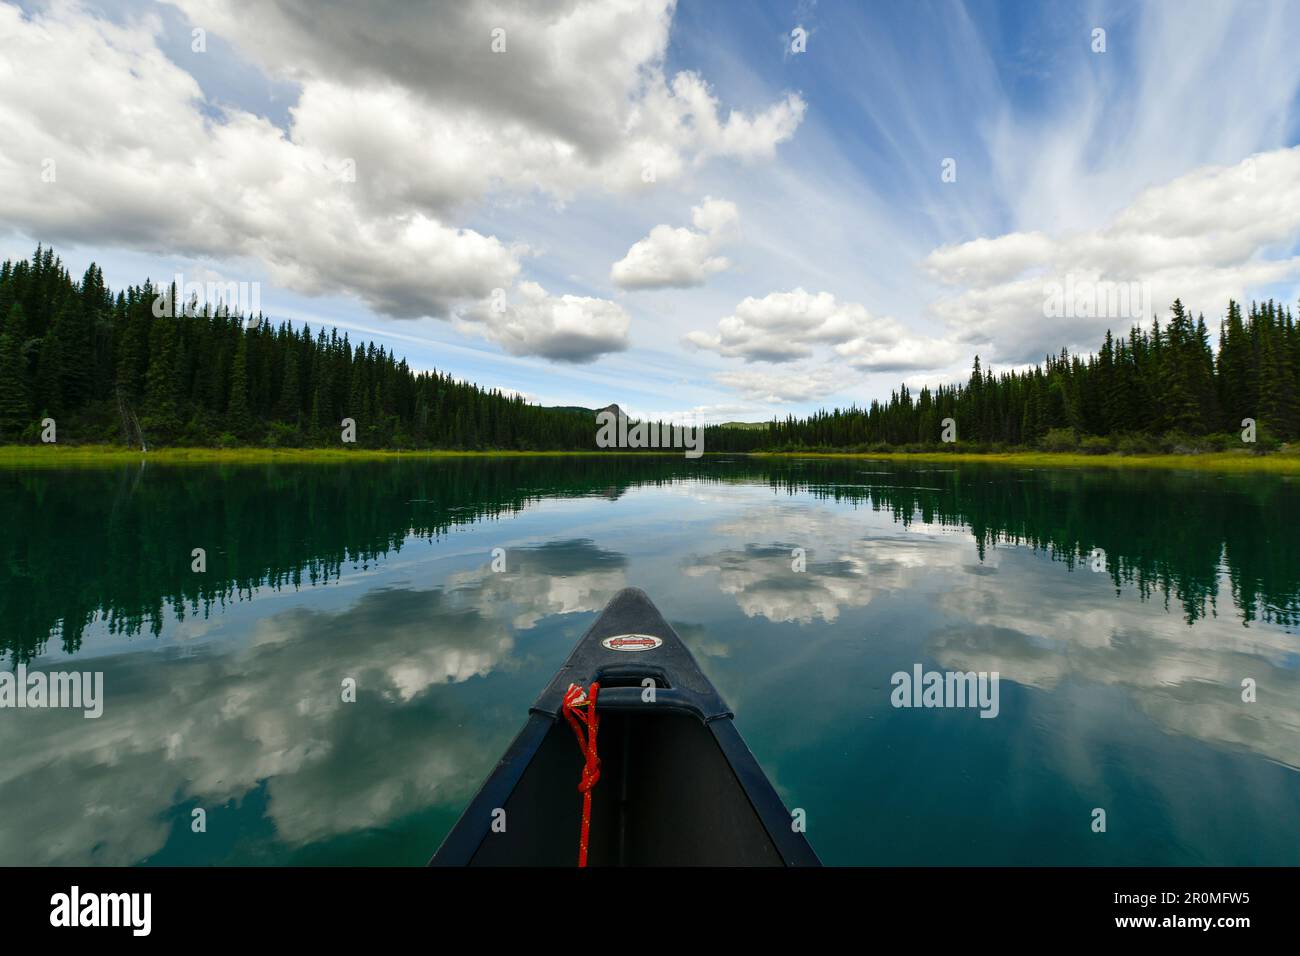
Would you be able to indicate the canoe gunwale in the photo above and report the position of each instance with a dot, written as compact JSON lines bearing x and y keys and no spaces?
{"x":463,"y":840}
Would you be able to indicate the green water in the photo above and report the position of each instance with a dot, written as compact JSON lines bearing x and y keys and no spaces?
{"x":1120,"y":689}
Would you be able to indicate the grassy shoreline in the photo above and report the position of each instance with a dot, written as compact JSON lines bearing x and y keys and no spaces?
{"x":64,"y":455}
{"x":1228,"y":462}
{"x":58,"y":455}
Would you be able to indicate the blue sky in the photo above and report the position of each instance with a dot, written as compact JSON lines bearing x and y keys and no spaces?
{"x":797,"y":244}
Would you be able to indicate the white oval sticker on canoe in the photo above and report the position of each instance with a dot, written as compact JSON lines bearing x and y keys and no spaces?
{"x":632,"y":642}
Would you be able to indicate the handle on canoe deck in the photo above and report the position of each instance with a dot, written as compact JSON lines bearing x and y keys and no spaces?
{"x":628,"y":675}
{"x":633,"y":698}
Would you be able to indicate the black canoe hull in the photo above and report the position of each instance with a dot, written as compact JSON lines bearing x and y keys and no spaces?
{"x":678,"y":785}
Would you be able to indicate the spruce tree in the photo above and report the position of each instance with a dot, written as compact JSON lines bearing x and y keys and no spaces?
{"x":238,"y":418}
{"x":15,"y":403}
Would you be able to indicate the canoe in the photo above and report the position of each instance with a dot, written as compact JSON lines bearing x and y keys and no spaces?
{"x":677,"y":785}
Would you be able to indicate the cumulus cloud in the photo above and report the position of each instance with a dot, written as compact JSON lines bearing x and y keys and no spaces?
{"x":577,"y":95}
{"x":390,"y":142}
{"x":989,"y":260}
{"x":788,"y":326}
{"x":129,"y":158}
{"x":584,"y":77}
{"x":1207,"y":236}
{"x":565,"y":328}
{"x":783,"y":326}
{"x":679,"y":258}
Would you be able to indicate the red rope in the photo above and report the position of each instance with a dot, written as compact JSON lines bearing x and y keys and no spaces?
{"x":580,"y":711}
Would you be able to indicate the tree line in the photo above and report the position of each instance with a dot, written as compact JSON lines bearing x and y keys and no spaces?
{"x":1153,"y":390}
{"x":109,"y":368}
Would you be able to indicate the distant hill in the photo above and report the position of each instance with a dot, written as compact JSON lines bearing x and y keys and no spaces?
{"x":579,"y":410}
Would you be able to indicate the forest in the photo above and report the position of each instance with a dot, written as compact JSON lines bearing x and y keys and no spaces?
{"x":1160,"y":389}
{"x":108,"y":369}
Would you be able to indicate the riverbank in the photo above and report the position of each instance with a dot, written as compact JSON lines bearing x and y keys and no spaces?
{"x":37,"y":456}
{"x":1227,"y":462}
{"x":61,"y":455}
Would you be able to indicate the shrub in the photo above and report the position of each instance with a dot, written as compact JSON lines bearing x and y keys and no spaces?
{"x":1060,"y":439}
{"x":1136,"y":444}
{"x":283,"y":435}
{"x":1265,"y":440}
{"x":1095,"y":445}
{"x":1178,"y":443}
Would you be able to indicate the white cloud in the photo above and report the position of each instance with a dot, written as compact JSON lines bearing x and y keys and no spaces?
{"x":989,"y":260}
{"x":566,"y":328}
{"x":717,"y":414}
{"x":905,"y":353}
{"x":740,"y":135}
{"x":783,"y":326}
{"x":788,"y":326}
{"x":136,"y":163}
{"x":1186,"y":99}
{"x":1204,"y":237}
{"x":789,"y":384}
{"x":578,"y":97}
{"x":679,"y":258}
{"x":430,"y":121}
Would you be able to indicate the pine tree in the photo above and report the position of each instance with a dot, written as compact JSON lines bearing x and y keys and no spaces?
{"x":15,"y":403}
{"x":49,"y":368}
{"x":161,"y":412}
{"x":1234,"y":362}
{"x":288,"y":407}
{"x":238,"y":418}
{"x":1177,"y":374}
{"x":133,"y":353}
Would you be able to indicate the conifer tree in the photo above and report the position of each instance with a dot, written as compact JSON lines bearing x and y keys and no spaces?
{"x":238,"y":417}
{"x":15,"y":405}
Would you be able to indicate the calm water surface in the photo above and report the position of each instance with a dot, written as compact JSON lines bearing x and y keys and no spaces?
{"x":1120,"y":689}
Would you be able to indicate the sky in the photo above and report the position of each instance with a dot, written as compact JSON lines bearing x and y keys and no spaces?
{"x":699,"y":210}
